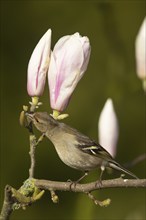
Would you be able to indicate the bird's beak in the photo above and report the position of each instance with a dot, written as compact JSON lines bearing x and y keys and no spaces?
{"x":30,"y":115}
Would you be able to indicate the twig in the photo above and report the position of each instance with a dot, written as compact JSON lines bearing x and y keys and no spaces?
{"x":137,"y":160}
{"x":88,"y":187}
{"x":103,"y":203}
{"x":32,"y":140}
{"x":7,"y":204}
{"x":33,"y":143}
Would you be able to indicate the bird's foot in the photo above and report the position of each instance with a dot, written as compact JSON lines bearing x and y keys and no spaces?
{"x":72,"y":184}
{"x":98,"y":183}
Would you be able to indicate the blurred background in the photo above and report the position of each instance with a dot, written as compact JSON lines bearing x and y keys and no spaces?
{"x":112,"y":27}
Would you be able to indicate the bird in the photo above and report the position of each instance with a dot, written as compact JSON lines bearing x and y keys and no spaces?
{"x":75,"y":149}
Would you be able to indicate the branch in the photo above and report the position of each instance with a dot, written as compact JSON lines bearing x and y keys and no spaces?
{"x":88,"y":187}
{"x":137,"y":160}
{"x":27,"y":123}
{"x":32,"y":140}
{"x":33,"y":143}
{"x":23,"y":197}
{"x":7,"y":204}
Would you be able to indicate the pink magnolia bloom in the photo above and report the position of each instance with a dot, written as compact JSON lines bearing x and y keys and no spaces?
{"x":108,"y":128}
{"x":140,"y":51}
{"x":38,"y":66}
{"x":68,"y":63}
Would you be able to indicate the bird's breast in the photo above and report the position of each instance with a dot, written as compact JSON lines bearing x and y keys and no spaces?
{"x":75,"y":158}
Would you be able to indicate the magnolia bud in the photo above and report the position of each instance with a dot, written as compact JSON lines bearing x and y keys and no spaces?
{"x":38,"y":66}
{"x":108,"y":128}
{"x":140,"y":51}
{"x":68,"y":63}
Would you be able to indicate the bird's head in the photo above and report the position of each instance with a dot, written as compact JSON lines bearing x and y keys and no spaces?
{"x":42,"y":121}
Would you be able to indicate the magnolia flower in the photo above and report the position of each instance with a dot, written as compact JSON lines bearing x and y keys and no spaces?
{"x":140,"y":50}
{"x":38,"y":66}
{"x":108,"y":128}
{"x":68,"y":63}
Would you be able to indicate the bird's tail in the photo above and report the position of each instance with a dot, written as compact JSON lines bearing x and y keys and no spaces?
{"x":117,"y":166}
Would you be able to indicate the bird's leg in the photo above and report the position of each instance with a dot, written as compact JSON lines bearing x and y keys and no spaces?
{"x":77,"y":181}
{"x":82,"y":177}
{"x":101,"y":173}
{"x":99,"y":182}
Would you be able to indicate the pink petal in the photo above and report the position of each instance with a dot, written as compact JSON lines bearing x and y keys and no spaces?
{"x":38,"y":66}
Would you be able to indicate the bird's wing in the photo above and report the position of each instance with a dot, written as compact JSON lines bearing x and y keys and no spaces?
{"x":86,"y":144}
{"x":91,"y":147}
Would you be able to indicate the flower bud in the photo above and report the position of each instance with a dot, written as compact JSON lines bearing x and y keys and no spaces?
{"x":38,"y":66}
{"x":108,"y":128}
{"x":68,"y":63}
{"x":140,"y":51}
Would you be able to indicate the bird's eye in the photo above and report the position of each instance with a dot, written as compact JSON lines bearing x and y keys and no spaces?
{"x":36,"y":119}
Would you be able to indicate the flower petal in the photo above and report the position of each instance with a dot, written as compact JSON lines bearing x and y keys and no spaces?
{"x":108,"y":128}
{"x":38,"y":66}
{"x":140,"y":47}
{"x":69,"y":61}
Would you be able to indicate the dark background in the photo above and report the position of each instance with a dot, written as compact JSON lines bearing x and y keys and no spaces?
{"x":112,"y":27}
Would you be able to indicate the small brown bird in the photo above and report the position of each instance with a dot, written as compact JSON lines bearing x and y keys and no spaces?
{"x":74,"y":148}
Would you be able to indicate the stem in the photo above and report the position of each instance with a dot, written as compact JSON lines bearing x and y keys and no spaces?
{"x":34,"y":103}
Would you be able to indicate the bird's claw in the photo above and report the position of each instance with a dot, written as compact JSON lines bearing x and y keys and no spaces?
{"x":98,"y":183}
{"x":72,"y":184}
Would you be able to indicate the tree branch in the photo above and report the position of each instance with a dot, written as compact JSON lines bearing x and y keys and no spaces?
{"x":7,"y":204}
{"x":52,"y":186}
{"x":88,"y":187}
{"x":32,"y":140}
{"x":137,"y":160}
